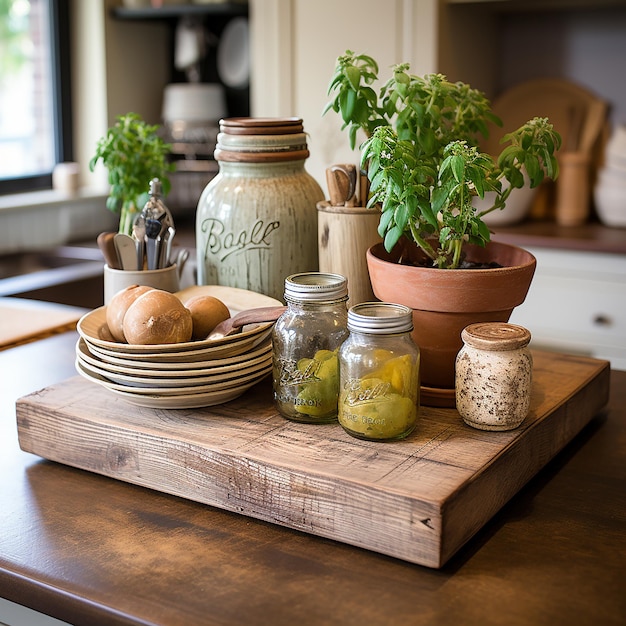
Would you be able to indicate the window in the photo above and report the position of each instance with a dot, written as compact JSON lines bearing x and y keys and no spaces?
{"x":34,"y":92}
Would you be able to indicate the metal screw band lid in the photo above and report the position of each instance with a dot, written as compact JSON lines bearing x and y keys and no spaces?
{"x":380,"y":318}
{"x":316,"y":287}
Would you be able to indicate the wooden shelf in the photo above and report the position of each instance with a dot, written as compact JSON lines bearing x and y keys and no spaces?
{"x":166,"y":12}
{"x":590,"y":237}
{"x":511,"y":6}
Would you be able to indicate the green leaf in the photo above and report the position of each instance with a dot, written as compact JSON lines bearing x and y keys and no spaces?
{"x":457,"y":164}
{"x":401,"y":216}
{"x":533,"y":169}
{"x":354,"y":77}
{"x":391,"y":238}
{"x":352,"y":132}
{"x":347,"y":101}
{"x":483,"y":231}
{"x":428,"y":214}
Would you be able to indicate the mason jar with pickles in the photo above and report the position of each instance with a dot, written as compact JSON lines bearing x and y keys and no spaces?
{"x":379,"y":373}
{"x":306,"y":340}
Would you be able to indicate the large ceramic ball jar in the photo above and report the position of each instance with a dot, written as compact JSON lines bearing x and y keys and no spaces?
{"x":256,"y":221}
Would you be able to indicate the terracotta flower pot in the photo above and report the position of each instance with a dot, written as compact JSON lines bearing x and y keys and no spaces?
{"x":444,"y":302}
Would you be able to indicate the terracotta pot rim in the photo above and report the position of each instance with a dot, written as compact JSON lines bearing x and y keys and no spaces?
{"x":374,"y":253}
{"x":459,"y":290}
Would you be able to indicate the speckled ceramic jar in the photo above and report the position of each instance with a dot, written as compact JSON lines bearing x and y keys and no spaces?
{"x":256,"y":221}
{"x":494,"y":376}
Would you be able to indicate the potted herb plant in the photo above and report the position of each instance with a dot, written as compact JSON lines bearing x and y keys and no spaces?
{"x":425,"y":169}
{"x":134,"y":154}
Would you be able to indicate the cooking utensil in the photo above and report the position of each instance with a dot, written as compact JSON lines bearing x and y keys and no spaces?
{"x":106,"y":244}
{"x":139,"y":235}
{"x":150,"y":227}
{"x":341,"y":181}
{"x":234,"y":325}
{"x":166,"y":247}
{"x":126,"y":251}
{"x":154,"y":231}
{"x":364,"y":188}
{"x":181,"y":259}
{"x":592,"y":125}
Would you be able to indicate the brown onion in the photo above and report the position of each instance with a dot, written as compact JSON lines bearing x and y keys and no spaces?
{"x":117,"y":307}
{"x":157,"y":317}
{"x":206,"y":312}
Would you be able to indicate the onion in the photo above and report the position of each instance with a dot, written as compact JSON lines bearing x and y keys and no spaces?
{"x":157,"y":317}
{"x":117,"y":307}
{"x":206,"y":312}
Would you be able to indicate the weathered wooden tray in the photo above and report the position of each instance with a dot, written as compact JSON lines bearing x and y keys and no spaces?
{"x":418,"y":500}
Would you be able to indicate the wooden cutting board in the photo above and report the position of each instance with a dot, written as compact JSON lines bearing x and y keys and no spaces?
{"x":23,"y":320}
{"x":418,"y":500}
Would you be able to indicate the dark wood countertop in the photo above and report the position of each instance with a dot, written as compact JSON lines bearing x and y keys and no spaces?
{"x":92,"y":550}
{"x":592,"y":237}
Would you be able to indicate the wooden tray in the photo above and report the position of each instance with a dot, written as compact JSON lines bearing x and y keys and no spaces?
{"x":418,"y":500}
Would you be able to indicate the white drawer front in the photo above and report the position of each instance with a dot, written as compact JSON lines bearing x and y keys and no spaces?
{"x":577,"y":302}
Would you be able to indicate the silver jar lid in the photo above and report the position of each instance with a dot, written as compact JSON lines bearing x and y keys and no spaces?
{"x":316,"y":287}
{"x":380,"y":318}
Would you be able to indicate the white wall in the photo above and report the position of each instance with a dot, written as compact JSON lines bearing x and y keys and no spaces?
{"x":585,"y":46}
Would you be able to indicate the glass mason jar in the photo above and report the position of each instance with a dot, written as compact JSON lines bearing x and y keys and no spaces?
{"x":306,"y":339}
{"x":494,"y":375}
{"x":379,"y":373}
{"x":257,"y":219}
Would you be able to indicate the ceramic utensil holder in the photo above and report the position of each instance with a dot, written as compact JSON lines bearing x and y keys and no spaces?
{"x":344,"y":236}
{"x":166,"y":278}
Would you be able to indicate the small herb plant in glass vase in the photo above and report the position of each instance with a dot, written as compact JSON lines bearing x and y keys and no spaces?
{"x":422,"y":159}
{"x":133,"y":153}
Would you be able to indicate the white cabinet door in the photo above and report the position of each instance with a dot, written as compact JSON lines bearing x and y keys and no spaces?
{"x":294,"y":45}
{"x":577,"y":303}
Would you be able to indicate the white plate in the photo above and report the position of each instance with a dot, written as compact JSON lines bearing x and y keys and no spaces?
{"x":168,"y":392}
{"x":191,"y":401}
{"x":150,"y":381}
{"x":115,"y":363}
{"x":248,"y":340}
{"x":92,"y":326}
{"x":233,"y":54}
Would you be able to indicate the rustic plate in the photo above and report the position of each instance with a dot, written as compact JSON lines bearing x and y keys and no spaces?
{"x":168,"y":392}
{"x":150,"y":381}
{"x":92,"y":326}
{"x":121,"y":365}
{"x":246,"y":343}
{"x":191,"y":401}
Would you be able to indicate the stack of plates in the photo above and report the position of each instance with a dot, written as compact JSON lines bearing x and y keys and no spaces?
{"x":183,"y":375}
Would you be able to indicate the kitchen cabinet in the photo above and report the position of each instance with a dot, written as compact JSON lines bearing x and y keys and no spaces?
{"x":577,"y":304}
{"x":574,"y":303}
{"x":202,"y":32}
{"x":489,"y":44}
{"x":213,"y":18}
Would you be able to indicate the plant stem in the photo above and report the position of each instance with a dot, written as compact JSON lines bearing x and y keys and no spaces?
{"x":127,"y":219}
{"x":422,"y":243}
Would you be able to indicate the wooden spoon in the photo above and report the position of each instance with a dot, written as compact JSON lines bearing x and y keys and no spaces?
{"x":234,"y":325}
{"x":341,"y":181}
{"x":106,"y":243}
{"x":592,"y":126}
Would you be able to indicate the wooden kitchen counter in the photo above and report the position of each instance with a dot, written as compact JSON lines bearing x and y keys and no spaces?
{"x":590,"y":237}
{"x":91,"y":550}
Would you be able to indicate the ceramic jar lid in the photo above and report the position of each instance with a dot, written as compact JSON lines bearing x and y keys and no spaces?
{"x":496,"y":336}
{"x":261,"y":140}
{"x":261,"y":125}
